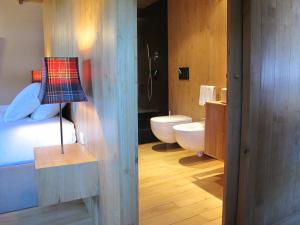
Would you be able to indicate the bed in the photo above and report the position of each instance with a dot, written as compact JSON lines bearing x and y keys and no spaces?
{"x":18,"y":188}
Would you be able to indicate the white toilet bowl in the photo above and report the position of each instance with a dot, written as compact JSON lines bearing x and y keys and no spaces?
{"x":162,"y":127}
{"x":190,"y":136}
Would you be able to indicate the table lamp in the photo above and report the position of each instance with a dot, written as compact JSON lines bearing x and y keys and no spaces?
{"x":61,"y":84}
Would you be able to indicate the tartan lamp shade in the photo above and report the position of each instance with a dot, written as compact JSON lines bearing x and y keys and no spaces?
{"x":61,"y":81}
{"x":36,"y":76}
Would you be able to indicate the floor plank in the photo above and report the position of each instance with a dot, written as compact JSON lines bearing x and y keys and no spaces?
{"x":176,"y":187}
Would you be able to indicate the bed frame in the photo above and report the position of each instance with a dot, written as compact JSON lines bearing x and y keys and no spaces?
{"x":18,"y":183}
{"x":17,"y":187}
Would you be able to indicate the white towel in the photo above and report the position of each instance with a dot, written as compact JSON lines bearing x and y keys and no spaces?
{"x":207,"y":94}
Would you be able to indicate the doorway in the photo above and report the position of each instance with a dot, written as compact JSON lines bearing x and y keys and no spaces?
{"x":161,"y":150}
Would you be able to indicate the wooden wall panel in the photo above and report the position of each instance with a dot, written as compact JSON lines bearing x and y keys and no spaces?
{"x":270,"y":164}
{"x":104,"y":32}
{"x":197,"y":39}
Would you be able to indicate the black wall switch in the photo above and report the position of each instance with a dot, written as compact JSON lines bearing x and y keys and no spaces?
{"x":184,"y":73}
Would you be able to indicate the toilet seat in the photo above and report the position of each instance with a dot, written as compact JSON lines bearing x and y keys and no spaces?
{"x":162,"y":126}
{"x":190,"y":136}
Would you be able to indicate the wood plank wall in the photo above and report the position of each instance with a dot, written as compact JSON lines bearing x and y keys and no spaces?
{"x":103,"y":32}
{"x":270,"y":164}
{"x":197,"y":39}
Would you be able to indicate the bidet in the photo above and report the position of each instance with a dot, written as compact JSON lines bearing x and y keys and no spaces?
{"x":162,"y":126}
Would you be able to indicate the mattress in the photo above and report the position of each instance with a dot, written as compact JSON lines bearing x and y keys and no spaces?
{"x":17,"y":139}
{"x":18,"y":181}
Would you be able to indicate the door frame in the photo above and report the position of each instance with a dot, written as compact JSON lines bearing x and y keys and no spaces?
{"x":235,"y":81}
{"x":235,"y":71}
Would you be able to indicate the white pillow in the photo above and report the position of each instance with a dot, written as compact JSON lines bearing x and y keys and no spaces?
{"x":46,"y":111}
{"x":24,"y":103}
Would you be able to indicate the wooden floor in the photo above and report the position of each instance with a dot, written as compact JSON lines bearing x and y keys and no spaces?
{"x":177,"y":187}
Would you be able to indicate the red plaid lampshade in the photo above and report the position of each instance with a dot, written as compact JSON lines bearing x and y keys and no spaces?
{"x":61,"y":81}
{"x":36,"y":76}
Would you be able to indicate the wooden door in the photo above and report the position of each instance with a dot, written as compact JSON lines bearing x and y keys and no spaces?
{"x":269,"y":191}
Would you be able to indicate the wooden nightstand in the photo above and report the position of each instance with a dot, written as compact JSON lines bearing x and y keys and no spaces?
{"x":65,"y":177}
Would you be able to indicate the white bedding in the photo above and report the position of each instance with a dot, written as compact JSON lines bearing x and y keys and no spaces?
{"x":17,"y":139}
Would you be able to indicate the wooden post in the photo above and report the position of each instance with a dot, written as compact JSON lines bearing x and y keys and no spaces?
{"x":104,"y":32}
{"x":234,"y":105}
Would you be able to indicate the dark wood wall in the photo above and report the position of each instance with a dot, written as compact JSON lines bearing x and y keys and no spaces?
{"x":270,"y":161}
{"x":153,"y":30}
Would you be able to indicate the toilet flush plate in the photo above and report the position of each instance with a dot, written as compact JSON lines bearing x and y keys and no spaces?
{"x":184,"y":73}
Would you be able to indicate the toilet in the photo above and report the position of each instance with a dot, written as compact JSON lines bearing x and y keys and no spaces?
{"x":190,"y":136}
{"x":181,"y":129}
{"x":162,"y":127}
